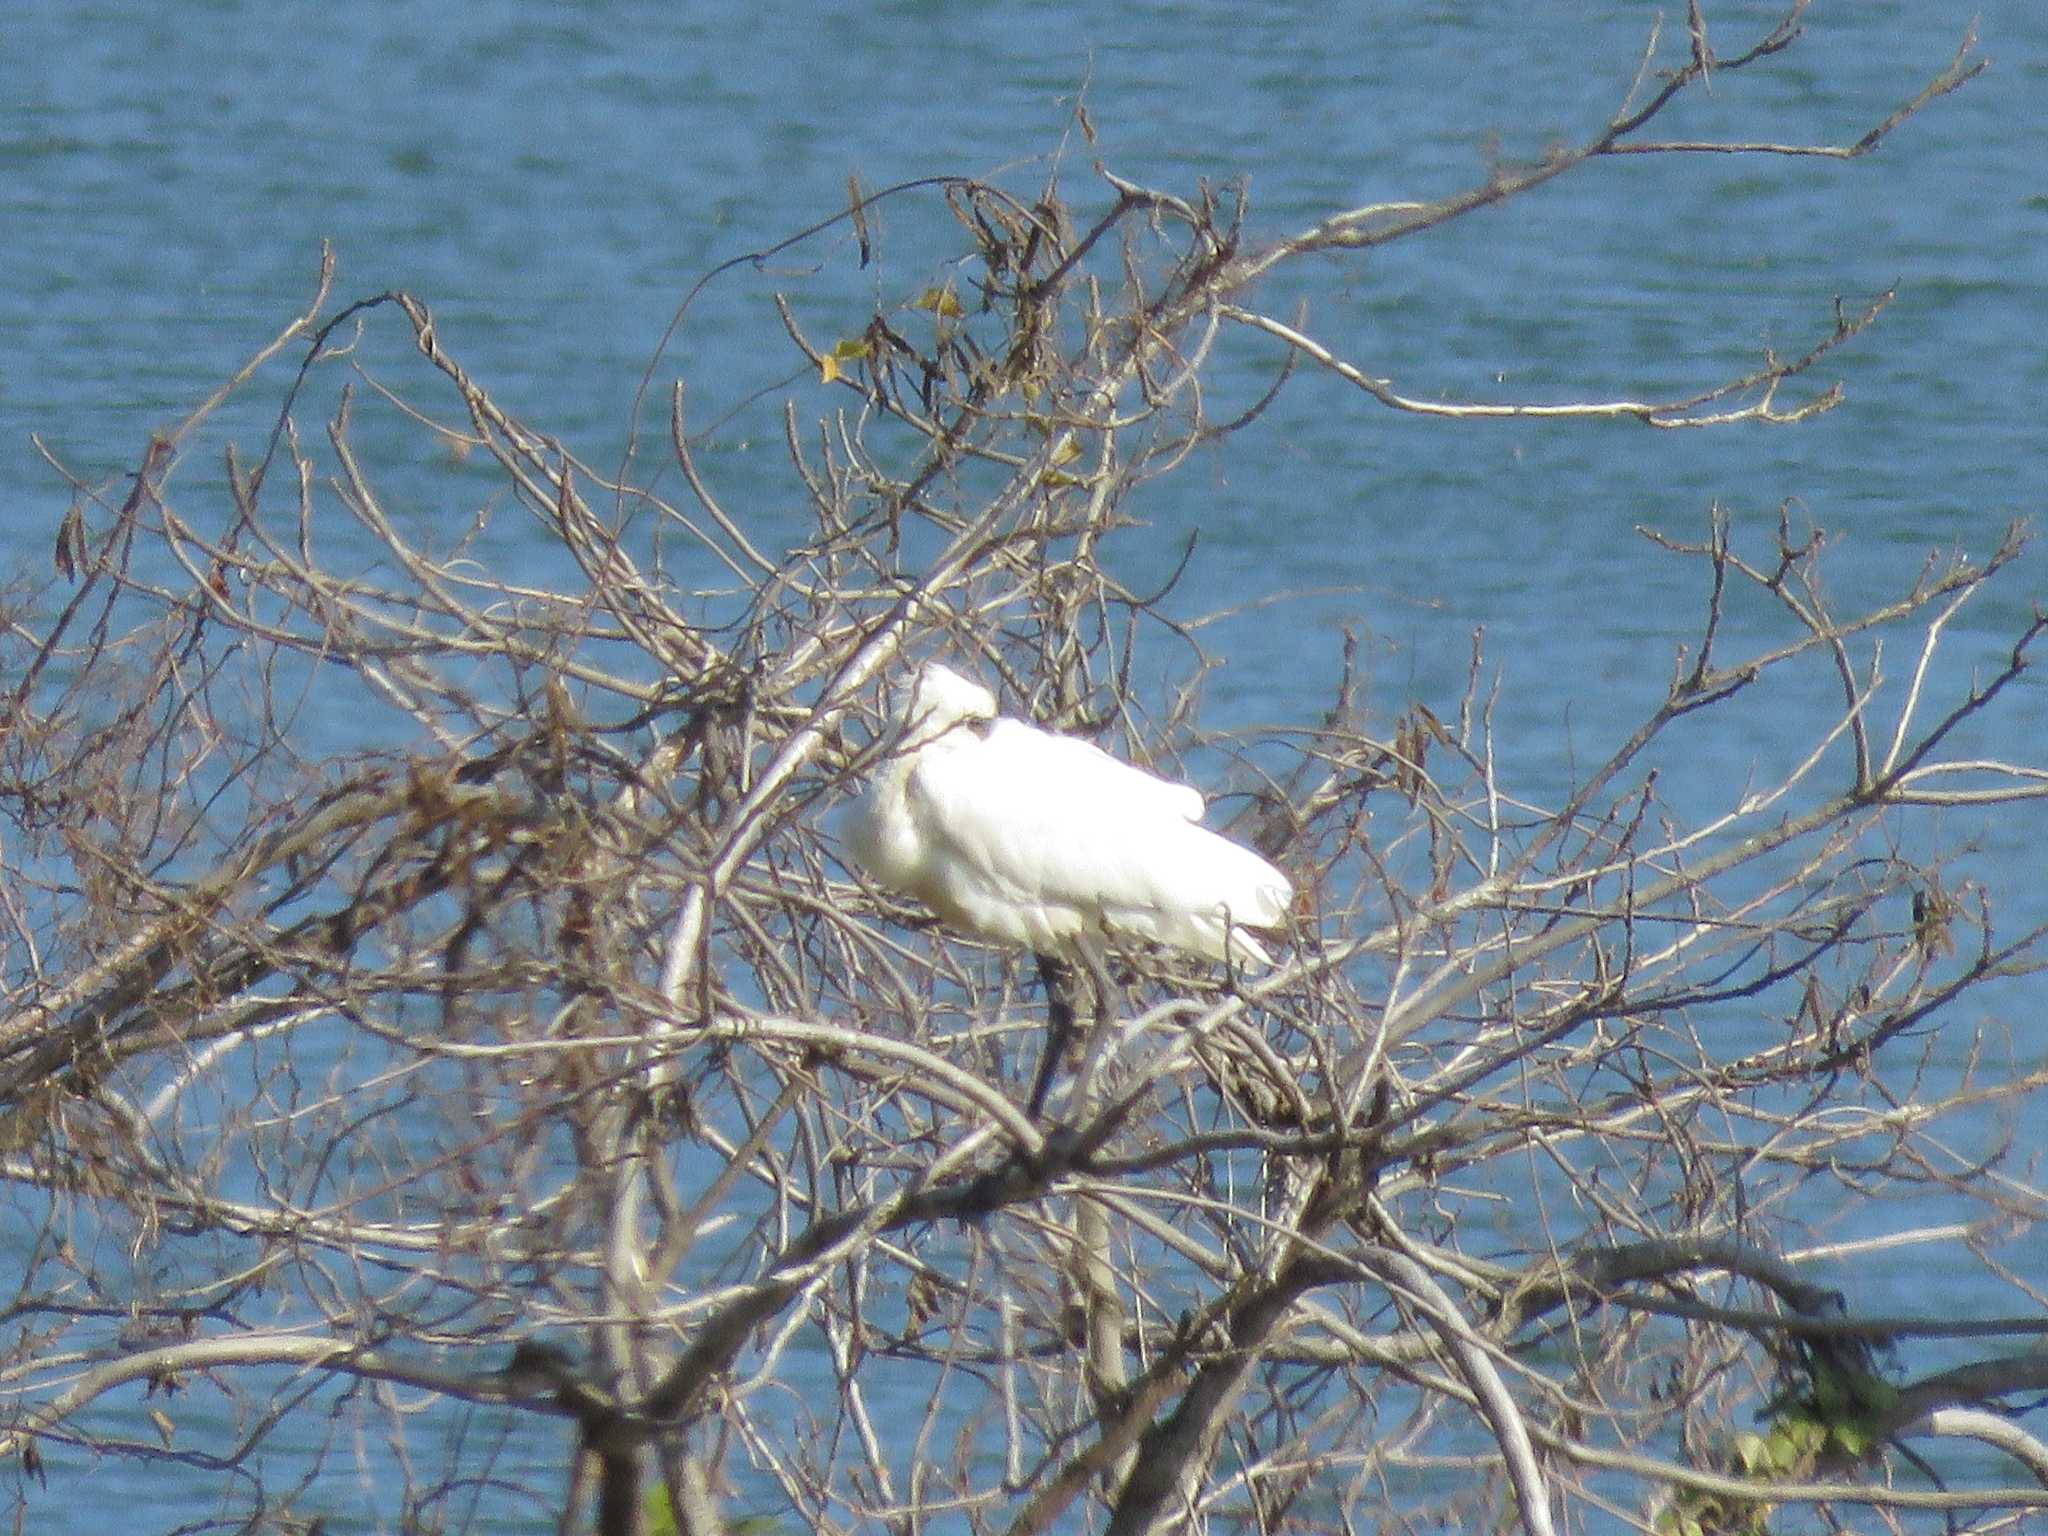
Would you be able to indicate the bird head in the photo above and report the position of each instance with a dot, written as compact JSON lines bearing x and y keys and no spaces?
{"x":938,"y":699}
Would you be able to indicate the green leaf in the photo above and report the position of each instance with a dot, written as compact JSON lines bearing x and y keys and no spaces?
{"x":657,"y":1518}
{"x":1752,"y":1453}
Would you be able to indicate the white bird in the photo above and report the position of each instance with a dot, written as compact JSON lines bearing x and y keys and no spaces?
{"x":1020,"y":836}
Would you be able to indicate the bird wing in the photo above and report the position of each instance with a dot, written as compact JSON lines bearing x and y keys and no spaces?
{"x":1082,"y":770}
{"x":1038,"y":838}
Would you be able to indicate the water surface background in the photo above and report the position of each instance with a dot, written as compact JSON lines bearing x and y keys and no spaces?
{"x":552,"y":179}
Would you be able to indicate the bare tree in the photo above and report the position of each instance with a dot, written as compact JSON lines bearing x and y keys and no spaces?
{"x":437,"y":1006}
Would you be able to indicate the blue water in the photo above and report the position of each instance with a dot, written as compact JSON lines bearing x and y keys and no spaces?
{"x":552,"y":180}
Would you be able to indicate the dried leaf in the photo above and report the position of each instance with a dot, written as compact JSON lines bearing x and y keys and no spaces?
{"x":940,"y":301}
{"x":70,"y":543}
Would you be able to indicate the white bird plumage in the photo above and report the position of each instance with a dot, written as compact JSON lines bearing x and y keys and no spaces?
{"x":1021,"y":836}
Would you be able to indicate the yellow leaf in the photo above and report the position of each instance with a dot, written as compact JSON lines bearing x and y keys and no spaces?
{"x":833,"y":364}
{"x":940,"y":301}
